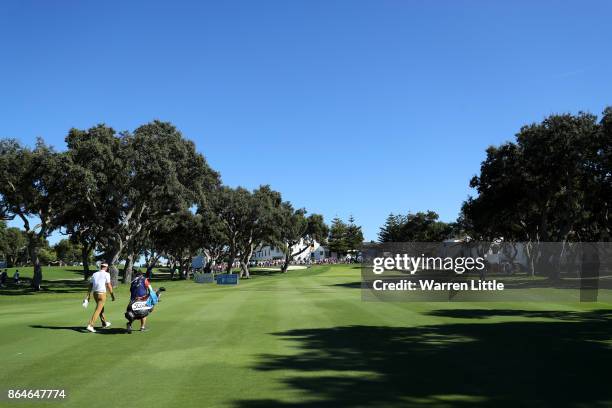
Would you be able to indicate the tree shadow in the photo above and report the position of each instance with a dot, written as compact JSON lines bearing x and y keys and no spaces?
{"x":81,"y":329}
{"x":55,"y":286}
{"x":163,"y":275}
{"x":348,"y":285}
{"x":593,"y":316}
{"x":561,"y":283}
{"x":255,"y":272}
{"x":564,"y":362}
{"x":78,"y":272}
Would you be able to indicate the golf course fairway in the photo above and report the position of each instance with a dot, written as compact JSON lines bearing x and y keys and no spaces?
{"x":303,"y":339}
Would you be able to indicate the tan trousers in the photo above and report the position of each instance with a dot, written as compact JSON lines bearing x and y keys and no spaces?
{"x":100,"y":298}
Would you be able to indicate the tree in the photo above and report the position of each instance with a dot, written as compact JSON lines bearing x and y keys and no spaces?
{"x":502,"y":181}
{"x":79,"y":224}
{"x":245,"y":219}
{"x":131,"y":251}
{"x":3,"y":242}
{"x":295,"y":228}
{"x":232,"y":208}
{"x":596,"y":183}
{"x":337,"y":237}
{"x":552,"y":184}
{"x":128,"y":182}
{"x":536,"y":185}
{"x":152,"y":250}
{"x":391,"y":230}
{"x":96,"y":205}
{"x":354,"y":235}
{"x":47,"y":254}
{"x":416,"y":227}
{"x":425,"y":227}
{"x":67,"y":251}
{"x":258,"y":224}
{"x":31,"y":189}
{"x":212,"y":235}
{"x":15,"y":243}
{"x":179,"y":233}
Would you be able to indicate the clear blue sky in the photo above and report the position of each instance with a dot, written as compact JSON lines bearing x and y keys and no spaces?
{"x":346,"y":107}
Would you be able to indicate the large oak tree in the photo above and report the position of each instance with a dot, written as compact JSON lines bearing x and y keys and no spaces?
{"x":551,"y":185}
{"x":296,"y":228}
{"x":124,"y":183}
{"x":32,"y":190}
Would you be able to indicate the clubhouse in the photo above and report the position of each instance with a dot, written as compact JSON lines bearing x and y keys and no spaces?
{"x":314,"y":252}
{"x":266,"y":253}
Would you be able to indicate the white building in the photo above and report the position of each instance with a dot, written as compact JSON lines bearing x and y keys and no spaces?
{"x":315,"y":252}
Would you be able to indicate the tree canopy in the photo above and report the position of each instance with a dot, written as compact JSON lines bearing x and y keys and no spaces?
{"x":31,"y":188}
{"x":344,"y":237}
{"x":417,"y":227}
{"x":295,"y":228}
{"x":123,"y":183}
{"x":120,"y":196}
{"x":552,"y":184}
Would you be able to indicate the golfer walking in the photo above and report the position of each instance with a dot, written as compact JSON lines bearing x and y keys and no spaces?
{"x":100,"y":284}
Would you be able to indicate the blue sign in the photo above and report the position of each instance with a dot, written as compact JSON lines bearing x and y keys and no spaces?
{"x":227,"y":279}
{"x":203,"y":277}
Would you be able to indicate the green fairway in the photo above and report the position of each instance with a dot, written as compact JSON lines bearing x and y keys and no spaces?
{"x":304,"y":339}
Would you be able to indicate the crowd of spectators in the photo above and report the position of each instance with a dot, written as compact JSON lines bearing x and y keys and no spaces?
{"x":277,"y":263}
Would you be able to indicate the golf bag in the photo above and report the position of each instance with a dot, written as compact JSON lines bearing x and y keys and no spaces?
{"x":137,"y":309}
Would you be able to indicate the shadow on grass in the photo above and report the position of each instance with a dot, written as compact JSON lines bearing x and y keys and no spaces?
{"x":565,"y":362}
{"x":267,"y":272}
{"x":564,"y":283}
{"x":166,"y":277}
{"x":55,"y":286}
{"x":595,"y":316}
{"x":81,"y":329}
{"x":348,"y":285}
{"x":78,"y":271}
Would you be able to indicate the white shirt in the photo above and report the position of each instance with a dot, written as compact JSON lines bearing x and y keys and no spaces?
{"x":99,"y":281}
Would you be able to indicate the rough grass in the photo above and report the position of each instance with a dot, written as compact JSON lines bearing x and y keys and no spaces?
{"x":304,"y":339}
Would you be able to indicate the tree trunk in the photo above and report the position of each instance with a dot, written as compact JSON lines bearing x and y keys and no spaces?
{"x":286,"y":263}
{"x":244,"y":262}
{"x":37,"y":277}
{"x":182,"y":271}
{"x":230,"y":260}
{"x":244,"y":270}
{"x":208,"y":265}
{"x":85,"y":259}
{"x":129,"y":267}
{"x":289,"y":254}
{"x":589,"y":274}
{"x":548,"y":260}
{"x":150,"y":265}
{"x":530,"y":257}
{"x":112,"y":256}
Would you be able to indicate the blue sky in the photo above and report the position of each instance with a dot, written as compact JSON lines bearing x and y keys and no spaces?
{"x":346,"y":107}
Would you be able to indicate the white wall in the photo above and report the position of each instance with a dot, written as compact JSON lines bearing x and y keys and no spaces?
{"x":267,"y":253}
